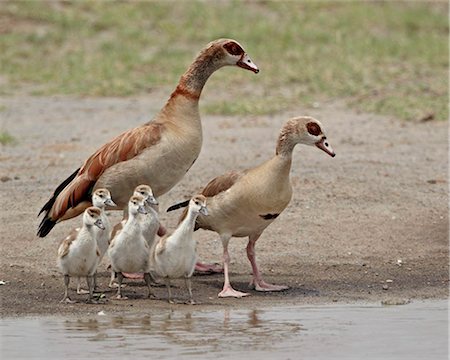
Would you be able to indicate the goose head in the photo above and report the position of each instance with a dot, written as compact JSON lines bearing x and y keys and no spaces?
{"x":198,"y":205}
{"x":92,"y":216}
{"x":304,"y":130}
{"x":147,"y":193}
{"x":136,"y":205}
{"x":228,"y":52}
{"x":102,"y":198}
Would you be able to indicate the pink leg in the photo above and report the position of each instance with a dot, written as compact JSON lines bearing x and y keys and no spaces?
{"x":257,"y":281}
{"x":206,"y":269}
{"x":227,"y":290}
{"x":134,"y":276}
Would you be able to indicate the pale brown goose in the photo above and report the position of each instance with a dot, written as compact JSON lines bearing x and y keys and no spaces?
{"x":174,"y":255}
{"x":157,"y":153}
{"x":78,"y":254}
{"x":242,"y":204}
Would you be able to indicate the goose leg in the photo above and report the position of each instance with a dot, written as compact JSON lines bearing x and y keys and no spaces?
{"x":147,"y":279}
{"x":257,"y":281}
{"x":227,"y":290}
{"x":80,"y":291}
{"x":189,"y":287}
{"x":66,"y":298}
{"x":169,"y":293}
{"x":90,"y":282}
{"x":119,"y":287}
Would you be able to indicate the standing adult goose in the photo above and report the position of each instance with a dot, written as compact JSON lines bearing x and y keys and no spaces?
{"x":157,"y":153}
{"x":244,"y":203}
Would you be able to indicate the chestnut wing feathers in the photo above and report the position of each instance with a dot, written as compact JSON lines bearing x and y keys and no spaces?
{"x":78,"y":187}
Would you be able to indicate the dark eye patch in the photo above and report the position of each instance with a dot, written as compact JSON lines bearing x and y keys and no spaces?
{"x":313,"y":128}
{"x":233,"y":48}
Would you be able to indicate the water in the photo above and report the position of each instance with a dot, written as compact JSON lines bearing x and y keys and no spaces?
{"x":413,"y":331}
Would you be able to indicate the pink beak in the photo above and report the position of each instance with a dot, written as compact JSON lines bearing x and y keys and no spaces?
{"x":246,"y":63}
{"x":325,"y":146}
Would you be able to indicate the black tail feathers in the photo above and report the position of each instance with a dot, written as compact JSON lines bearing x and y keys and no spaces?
{"x":178,"y":206}
{"x":47,"y":224}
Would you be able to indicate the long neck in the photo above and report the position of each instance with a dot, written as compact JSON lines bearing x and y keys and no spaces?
{"x":132,"y":223}
{"x":194,"y":79}
{"x":188,"y":223}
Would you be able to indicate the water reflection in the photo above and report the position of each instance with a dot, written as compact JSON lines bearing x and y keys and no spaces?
{"x":323,"y":332}
{"x":187,"y":331}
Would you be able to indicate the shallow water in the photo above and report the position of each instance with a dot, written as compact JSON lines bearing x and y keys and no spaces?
{"x":413,"y":331}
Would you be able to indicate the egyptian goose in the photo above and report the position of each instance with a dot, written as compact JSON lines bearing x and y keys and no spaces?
{"x":173,"y":256}
{"x":129,"y":251}
{"x":101,"y":198}
{"x":78,"y":254}
{"x":158,"y":153}
{"x":244,"y":203}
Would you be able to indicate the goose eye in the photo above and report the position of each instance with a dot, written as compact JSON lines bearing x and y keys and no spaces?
{"x":313,"y":128}
{"x":233,"y":48}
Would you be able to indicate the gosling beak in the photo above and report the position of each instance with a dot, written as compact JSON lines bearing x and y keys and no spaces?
{"x":246,"y":63}
{"x":203,"y":210}
{"x":109,"y":202}
{"x":99,"y":223}
{"x":142,"y":210}
{"x":325,"y":146}
{"x":151,"y":200}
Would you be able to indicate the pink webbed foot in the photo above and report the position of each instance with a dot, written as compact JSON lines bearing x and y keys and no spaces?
{"x":228,"y":291}
{"x":261,"y":285}
{"x":207,"y":269}
{"x":133,"y":276}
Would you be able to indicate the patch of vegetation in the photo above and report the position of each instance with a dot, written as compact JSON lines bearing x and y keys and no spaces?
{"x":385,"y":57}
{"x":6,"y":138}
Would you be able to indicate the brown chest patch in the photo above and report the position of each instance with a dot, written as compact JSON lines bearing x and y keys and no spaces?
{"x":269,"y":216}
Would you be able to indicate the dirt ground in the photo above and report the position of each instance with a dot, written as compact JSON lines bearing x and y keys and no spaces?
{"x":369,"y":225}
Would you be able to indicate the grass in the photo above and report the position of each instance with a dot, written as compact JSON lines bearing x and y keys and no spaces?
{"x":6,"y":138}
{"x":384,"y":57}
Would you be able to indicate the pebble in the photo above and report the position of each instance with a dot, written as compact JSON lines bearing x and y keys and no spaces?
{"x":389,"y":281}
{"x":385,"y":287}
{"x":101,"y":313}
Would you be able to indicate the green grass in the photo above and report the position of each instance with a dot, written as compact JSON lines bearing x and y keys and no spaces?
{"x":385,"y":57}
{"x":6,"y":138}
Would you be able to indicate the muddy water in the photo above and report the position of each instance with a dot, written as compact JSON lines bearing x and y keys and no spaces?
{"x":413,"y":331}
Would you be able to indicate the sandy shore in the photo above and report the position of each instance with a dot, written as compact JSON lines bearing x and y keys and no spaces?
{"x":378,"y":211}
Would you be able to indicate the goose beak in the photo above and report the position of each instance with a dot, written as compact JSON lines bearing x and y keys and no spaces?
{"x":151,"y":200}
{"x":109,"y":202}
{"x":203,"y":210}
{"x":325,"y":146}
{"x":142,"y":210}
{"x":99,"y":223}
{"x":246,"y":63}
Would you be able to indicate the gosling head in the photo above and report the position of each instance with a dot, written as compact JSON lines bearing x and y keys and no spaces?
{"x":147,"y":192}
{"x":102,"y":198}
{"x":229,"y":52}
{"x":92,"y":216}
{"x":304,"y":130}
{"x":198,"y":205}
{"x":136,"y":205}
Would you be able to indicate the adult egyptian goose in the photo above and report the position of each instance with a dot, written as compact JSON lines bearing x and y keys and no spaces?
{"x":158,"y":153}
{"x":174,"y":256}
{"x":244,"y":203}
{"x":129,"y":251}
{"x":78,"y":254}
{"x":101,"y":198}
